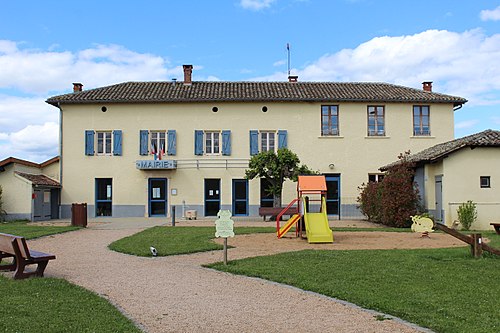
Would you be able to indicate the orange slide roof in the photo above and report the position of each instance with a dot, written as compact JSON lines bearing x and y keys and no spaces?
{"x":311,"y":184}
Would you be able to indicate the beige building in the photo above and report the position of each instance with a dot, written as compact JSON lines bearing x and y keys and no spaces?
{"x":30,"y":190}
{"x":456,"y":171}
{"x":207,"y":132}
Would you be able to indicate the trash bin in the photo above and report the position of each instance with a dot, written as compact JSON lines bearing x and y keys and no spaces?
{"x":79,"y":215}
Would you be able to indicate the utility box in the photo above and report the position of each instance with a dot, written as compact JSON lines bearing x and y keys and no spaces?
{"x":190,"y":214}
{"x":79,"y":215}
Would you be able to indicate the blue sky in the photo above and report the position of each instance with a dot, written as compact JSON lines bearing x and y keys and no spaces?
{"x":47,"y":45}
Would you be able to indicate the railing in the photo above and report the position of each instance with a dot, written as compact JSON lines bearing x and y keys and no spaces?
{"x":283,"y":212}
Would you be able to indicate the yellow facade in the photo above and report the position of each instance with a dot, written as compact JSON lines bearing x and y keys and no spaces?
{"x":351,"y":155}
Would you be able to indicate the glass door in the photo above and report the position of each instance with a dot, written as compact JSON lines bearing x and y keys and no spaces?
{"x":240,"y":197}
{"x":333,"y":194}
{"x":157,"y":197}
{"x":212,"y":197}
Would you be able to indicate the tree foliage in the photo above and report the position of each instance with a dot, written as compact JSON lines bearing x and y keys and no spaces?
{"x":467,"y":214}
{"x":2,"y":211}
{"x":276,"y":168}
{"x":393,"y":200}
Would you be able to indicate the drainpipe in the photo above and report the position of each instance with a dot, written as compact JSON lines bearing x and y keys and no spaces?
{"x":60,"y":156}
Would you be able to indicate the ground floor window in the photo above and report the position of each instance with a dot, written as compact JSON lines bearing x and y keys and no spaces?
{"x":375,"y":177}
{"x":103,"y":197}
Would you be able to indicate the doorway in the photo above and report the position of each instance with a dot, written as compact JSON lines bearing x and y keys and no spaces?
{"x":212,"y":197}
{"x":240,"y":197}
{"x":333,"y":194}
{"x":439,"y":199}
{"x":157,"y":198}
{"x":42,"y":209}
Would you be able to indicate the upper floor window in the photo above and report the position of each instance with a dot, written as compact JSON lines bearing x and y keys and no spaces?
{"x":212,"y":143}
{"x":329,"y":120}
{"x":267,"y":141}
{"x":376,"y":121}
{"x":421,"y":116}
{"x":157,"y":142}
{"x":375,"y":177}
{"x":485,"y":181}
{"x":103,"y":143}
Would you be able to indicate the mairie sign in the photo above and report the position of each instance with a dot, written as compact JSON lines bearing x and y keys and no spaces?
{"x":156,"y":165}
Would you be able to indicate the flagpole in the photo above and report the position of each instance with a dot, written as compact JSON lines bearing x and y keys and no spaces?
{"x":288,"y":51}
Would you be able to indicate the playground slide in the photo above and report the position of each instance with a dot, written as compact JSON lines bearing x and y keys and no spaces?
{"x":317,"y":228}
{"x":284,"y":229}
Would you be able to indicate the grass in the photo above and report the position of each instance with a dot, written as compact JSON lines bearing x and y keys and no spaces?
{"x":30,"y":231}
{"x":176,"y":240}
{"x":54,"y":305}
{"x":442,"y":289}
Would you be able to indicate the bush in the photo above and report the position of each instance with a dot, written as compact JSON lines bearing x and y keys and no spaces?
{"x":467,"y":214}
{"x":394,"y":200}
{"x":2,"y":212}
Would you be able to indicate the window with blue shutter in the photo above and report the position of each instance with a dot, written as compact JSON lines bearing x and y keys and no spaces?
{"x":117,"y":142}
{"x":171,"y":142}
{"x":143,"y":142}
{"x":89,"y":142}
{"x":198,"y":142}
{"x":282,"y":139}
{"x":254,"y":142}
{"x":226,"y":142}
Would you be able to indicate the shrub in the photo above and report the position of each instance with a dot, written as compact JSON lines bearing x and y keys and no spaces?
{"x":394,"y":200}
{"x":467,"y":214}
{"x":2,"y":211}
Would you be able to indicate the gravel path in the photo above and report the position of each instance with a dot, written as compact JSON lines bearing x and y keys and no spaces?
{"x":175,"y":294}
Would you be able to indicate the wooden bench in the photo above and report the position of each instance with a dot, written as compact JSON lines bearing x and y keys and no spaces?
{"x":496,"y":225}
{"x":274,"y":211}
{"x":15,"y":247}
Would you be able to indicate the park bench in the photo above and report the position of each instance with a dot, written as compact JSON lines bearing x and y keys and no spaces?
{"x":496,"y":225}
{"x":274,"y":211}
{"x":16,"y":248}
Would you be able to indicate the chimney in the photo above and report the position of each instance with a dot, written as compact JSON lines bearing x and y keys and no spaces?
{"x":188,"y":71}
{"x":293,"y":78}
{"x":77,"y":87}
{"x":427,"y":86}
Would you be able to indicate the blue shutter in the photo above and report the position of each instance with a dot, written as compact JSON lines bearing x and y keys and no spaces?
{"x":143,"y":142}
{"x":226,"y":142}
{"x":254,"y":142}
{"x":89,"y":142}
{"x":198,"y":142}
{"x":117,"y":142}
{"x":282,"y":139}
{"x":172,"y":142}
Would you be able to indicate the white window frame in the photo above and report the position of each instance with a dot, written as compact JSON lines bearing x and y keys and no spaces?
{"x":157,"y":137}
{"x":214,"y":138}
{"x":378,"y":177}
{"x":377,"y":131}
{"x":265,"y":140}
{"x":104,"y":136}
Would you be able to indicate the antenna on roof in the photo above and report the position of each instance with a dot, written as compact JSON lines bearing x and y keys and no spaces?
{"x":288,"y":51}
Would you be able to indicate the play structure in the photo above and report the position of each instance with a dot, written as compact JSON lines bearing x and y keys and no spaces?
{"x":311,"y":193}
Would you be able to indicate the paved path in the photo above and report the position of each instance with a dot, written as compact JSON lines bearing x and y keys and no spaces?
{"x":175,"y":294}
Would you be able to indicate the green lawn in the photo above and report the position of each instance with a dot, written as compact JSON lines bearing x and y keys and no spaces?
{"x":54,"y":305}
{"x":442,"y":289}
{"x":176,"y":240}
{"x":30,"y":231}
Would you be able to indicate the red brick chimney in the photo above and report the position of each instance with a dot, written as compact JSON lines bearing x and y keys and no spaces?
{"x":188,"y":71}
{"x":77,"y":87}
{"x":293,"y":78}
{"x":427,"y":86}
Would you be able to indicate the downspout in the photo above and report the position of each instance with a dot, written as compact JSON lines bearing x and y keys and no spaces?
{"x":60,"y":155}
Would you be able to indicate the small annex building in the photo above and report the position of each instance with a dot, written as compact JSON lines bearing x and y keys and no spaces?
{"x":31,"y":191}
{"x":453,"y":172}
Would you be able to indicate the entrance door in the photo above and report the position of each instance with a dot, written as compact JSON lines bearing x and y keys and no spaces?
{"x":439,"y":198}
{"x":42,"y":209}
{"x":333,"y":194}
{"x":240,"y":197}
{"x":157,"y":196}
{"x":212,"y":197}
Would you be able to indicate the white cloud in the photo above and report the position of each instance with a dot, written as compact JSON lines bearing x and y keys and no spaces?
{"x":467,"y":124}
{"x":256,"y":4}
{"x":279,"y":63}
{"x":16,"y":112}
{"x":42,"y":72}
{"x":463,"y":64}
{"x":490,"y":15}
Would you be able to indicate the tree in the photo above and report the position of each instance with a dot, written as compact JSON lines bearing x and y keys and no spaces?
{"x":276,"y":168}
{"x":394,"y":200}
{"x":2,"y":212}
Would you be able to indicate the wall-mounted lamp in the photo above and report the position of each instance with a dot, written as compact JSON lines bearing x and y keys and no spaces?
{"x":331,"y":165}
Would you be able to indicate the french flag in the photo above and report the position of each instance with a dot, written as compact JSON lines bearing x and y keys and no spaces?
{"x":153,"y":149}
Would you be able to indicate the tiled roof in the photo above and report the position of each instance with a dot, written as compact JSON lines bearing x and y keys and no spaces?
{"x":157,"y":92}
{"x":488,"y":138}
{"x":40,"y":180}
{"x":10,"y":160}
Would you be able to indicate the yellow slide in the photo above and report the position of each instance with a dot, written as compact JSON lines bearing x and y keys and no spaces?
{"x":317,"y":228}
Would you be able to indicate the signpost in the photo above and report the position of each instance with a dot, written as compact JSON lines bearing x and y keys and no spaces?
{"x":224,"y":227}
